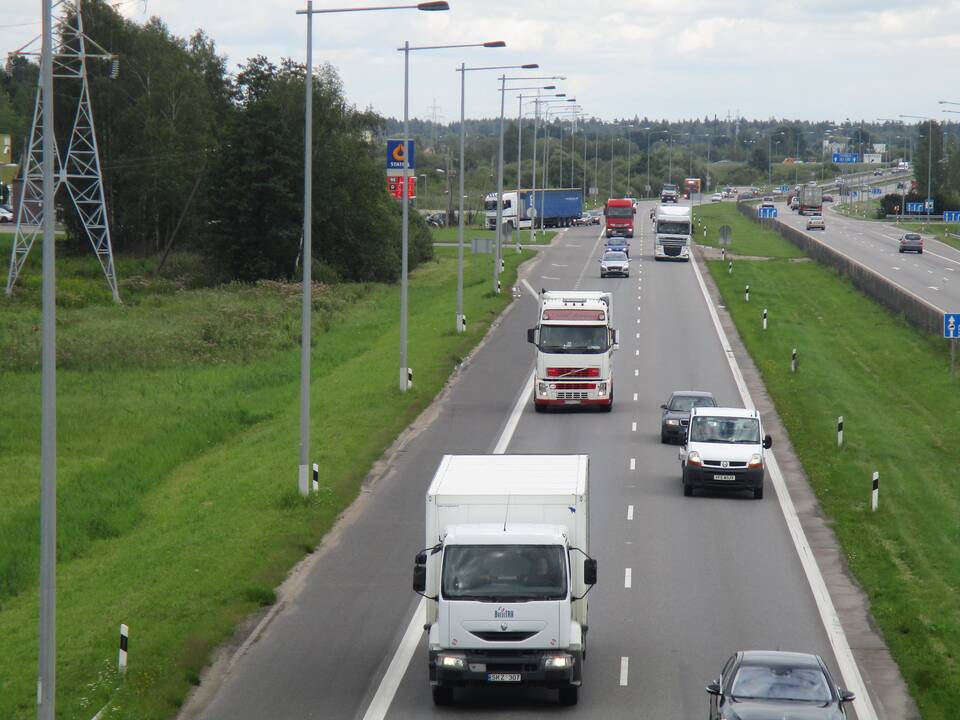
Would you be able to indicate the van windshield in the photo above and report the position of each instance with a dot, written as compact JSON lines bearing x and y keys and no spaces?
{"x":573,"y":339}
{"x":504,"y":573}
{"x":713,"y":429}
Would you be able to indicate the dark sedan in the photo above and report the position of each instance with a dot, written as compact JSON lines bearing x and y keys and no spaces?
{"x":676,"y":412}
{"x":761,"y":684}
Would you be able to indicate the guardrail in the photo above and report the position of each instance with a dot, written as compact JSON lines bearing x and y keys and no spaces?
{"x":914,"y":309}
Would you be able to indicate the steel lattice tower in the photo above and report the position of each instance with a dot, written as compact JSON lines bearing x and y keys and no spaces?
{"x":80,"y":169}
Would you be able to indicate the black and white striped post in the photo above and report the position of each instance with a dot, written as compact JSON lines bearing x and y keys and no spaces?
{"x":730,"y":268}
{"x":875,"y":494}
{"x":723,"y":253}
{"x":122,"y":658}
{"x":463,"y":323}
{"x":503,"y":265}
{"x":746,"y":294}
{"x":409,"y":378}
{"x":316,"y":477}
{"x":840,"y":431}
{"x":764,"y":318}
{"x":794,"y":361}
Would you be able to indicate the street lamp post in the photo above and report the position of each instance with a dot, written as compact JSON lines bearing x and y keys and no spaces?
{"x":561,"y":98}
{"x":537,"y":102}
{"x":929,"y":199}
{"x":405,"y":227}
{"x":770,"y":157}
{"x":649,"y":134}
{"x":629,"y":157}
{"x":307,"y":253}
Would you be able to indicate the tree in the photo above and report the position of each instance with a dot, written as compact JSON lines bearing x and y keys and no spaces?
{"x":759,"y":160}
{"x":922,"y":153}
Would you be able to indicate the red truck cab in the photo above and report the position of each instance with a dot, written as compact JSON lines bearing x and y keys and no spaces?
{"x":618,"y":214}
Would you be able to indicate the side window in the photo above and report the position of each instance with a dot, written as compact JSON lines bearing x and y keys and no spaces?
{"x":726,"y":675}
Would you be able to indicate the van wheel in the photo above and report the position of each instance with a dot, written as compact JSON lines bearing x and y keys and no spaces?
{"x":687,"y":490}
{"x":442,"y":695}
{"x":758,"y":493}
{"x":569,"y":695}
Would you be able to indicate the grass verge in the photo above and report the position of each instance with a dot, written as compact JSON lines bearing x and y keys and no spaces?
{"x":749,"y":239}
{"x":449,"y":235}
{"x":902,"y":418}
{"x":177,"y":463}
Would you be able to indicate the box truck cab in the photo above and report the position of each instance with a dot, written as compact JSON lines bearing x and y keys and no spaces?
{"x":618,"y":214}
{"x":506,"y":571}
{"x":672,"y":232}
{"x":669,"y":193}
{"x":575,"y":344}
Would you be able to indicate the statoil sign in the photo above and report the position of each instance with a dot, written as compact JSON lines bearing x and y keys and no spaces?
{"x":395,"y":155}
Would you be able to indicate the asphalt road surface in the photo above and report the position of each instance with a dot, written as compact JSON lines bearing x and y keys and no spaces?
{"x":711,"y":574}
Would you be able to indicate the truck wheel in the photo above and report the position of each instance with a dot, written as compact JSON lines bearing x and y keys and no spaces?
{"x":442,"y":695}
{"x":569,"y":695}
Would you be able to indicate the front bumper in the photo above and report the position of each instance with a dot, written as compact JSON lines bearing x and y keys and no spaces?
{"x":619,"y":232}
{"x":672,"y":431}
{"x":672,"y":252}
{"x":705,"y":477}
{"x":479,"y":665}
{"x":558,"y":393}
{"x":615,"y":270}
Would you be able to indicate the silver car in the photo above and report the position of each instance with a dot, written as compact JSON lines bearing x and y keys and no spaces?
{"x":911,"y":242}
{"x":614,"y":262}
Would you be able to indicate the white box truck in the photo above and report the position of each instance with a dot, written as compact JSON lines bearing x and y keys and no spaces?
{"x":506,"y":571}
{"x":575,"y":342}
{"x":674,"y":230}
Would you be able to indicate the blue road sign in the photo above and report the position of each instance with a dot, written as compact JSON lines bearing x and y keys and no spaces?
{"x":951,"y":325}
{"x":951,"y":215}
{"x":841,"y":158}
{"x":766,"y":212}
{"x":395,"y":155}
{"x":914,"y":207}
{"x":876,"y":191}
{"x":783,"y":188}
{"x":854,"y":194}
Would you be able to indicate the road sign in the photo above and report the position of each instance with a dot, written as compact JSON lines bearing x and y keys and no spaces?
{"x":876,"y":192}
{"x":928,"y":205}
{"x":951,"y":325}
{"x":914,"y":207}
{"x":854,"y":194}
{"x":726,"y":235}
{"x":766,"y":212}
{"x":951,"y":215}
{"x":594,"y":191}
{"x":483,"y":246}
{"x":783,"y":188}
{"x":842,"y":158}
{"x":395,"y":155}
{"x":395,"y":186}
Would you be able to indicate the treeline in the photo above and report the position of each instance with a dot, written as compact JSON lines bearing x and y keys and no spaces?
{"x":199,"y":158}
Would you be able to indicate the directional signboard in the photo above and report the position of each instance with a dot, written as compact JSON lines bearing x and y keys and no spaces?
{"x":395,"y":155}
{"x":783,"y":188}
{"x":914,"y":207}
{"x":876,"y":191}
{"x":766,"y":212}
{"x":951,"y":325}
{"x":928,"y":205}
{"x":951,"y":215}
{"x":841,"y":158}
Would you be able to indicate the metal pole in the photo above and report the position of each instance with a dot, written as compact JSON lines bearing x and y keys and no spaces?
{"x":596,"y":163}
{"x":462,"y":170}
{"x":929,"y":168}
{"x":648,"y":164}
{"x":519,"y":159}
{"x":612,"y":138}
{"x":629,"y":153}
{"x":769,"y":160}
{"x":47,"y":664}
{"x":404,"y":231}
{"x":303,"y":479}
{"x":670,"y":172}
{"x":496,"y":254}
{"x":584,"y":160}
{"x":533,"y":179}
{"x":546,"y":165}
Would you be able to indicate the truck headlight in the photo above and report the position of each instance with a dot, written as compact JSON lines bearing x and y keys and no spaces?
{"x":455,"y":662}
{"x":542,"y":388}
{"x":601,"y":388}
{"x":558,"y":662}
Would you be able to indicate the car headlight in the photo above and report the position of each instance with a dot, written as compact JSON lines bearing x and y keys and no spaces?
{"x":672,"y":421}
{"x":756,"y":461}
{"x":456,"y":662}
{"x":693,"y":458}
{"x":558,"y":662}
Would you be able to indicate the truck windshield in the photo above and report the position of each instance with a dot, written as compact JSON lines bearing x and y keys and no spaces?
{"x":504,"y":573}
{"x":620,"y":211}
{"x":706,"y":428}
{"x":491,"y":205}
{"x":666,"y":227}
{"x":573,"y":338}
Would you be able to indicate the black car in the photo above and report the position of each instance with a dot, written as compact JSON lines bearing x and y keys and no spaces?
{"x":774,"y":684}
{"x":676,"y":412}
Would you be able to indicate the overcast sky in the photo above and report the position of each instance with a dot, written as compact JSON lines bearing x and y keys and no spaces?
{"x":810,"y":59}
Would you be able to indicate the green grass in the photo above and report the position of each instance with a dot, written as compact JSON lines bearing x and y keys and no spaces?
{"x":901,"y":418}
{"x":449,"y":235}
{"x":177,"y":441}
{"x":749,"y":239}
{"x":865,"y":210}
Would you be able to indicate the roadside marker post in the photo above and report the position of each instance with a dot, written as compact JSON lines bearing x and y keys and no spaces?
{"x":840,"y":431}
{"x":122,"y":658}
{"x":409,"y":378}
{"x":723,"y":253}
{"x":316,"y":477}
{"x":730,"y":268}
{"x":794,"y":361}
{"x":875,"y":493}
{"x":764,"y":318}
{"x":746,"y":294}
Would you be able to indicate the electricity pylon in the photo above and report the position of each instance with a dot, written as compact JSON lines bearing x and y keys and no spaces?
{"x":79,"y":170}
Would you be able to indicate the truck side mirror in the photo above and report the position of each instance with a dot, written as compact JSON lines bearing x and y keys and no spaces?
{"x":767,"y":442}
{"x":590,"y":571}
{"x":531,"y":335}
{"x":419,"y":578}
{"x":616,"y":339}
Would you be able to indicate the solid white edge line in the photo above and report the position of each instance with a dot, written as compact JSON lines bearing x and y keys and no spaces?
{"x":627,"y":578}
{"x":377,"y":710}
{"x":624,"y":670}
{"x":818,"y":586}
{"x":629,"y":512}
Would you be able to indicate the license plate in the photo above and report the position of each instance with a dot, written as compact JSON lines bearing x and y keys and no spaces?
{"x":503,"y":677}
{"x":571,"y":402}
{"x":724,"y":477}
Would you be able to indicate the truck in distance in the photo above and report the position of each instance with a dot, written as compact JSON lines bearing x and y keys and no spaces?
{"x":669,"y":193}
{"x":555,"y":207}
{"x":506,"y":571}
{"x":810,"y":200}
{"x":575,"y":342}
{"x":691,"y":187}
{"x":672,"y":232}
{"x":618,"y":215}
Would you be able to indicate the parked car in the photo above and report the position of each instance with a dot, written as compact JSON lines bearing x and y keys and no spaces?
{"x":614,"y":262}
{"x":776,"y":684}
{"x":815,"y":222}
{"x":723,"y":450}
{"x":717,"y":197}
{"x":6,"y":215}
{"x":676,"y":412}
{"x":911,"y":242}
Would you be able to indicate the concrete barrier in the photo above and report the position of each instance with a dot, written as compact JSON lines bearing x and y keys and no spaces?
{"x":897,"y":298}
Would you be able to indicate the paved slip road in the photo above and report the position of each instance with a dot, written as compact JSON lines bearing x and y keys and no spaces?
{"x":710,"y":574}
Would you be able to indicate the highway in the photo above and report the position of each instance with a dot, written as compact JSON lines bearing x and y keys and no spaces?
{"x":933,"y":276}
{"x":709,"y":575}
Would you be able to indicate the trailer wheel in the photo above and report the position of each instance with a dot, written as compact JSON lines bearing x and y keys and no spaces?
{"x":442,"y":696}
{"x":569,"y":695}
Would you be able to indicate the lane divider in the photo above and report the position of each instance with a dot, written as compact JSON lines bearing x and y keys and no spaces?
{"x":627,"y":578}
{"x":629,"y":512}
{"x":624,"y":670}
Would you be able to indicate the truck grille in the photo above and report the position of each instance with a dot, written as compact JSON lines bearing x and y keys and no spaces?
{"x":494,"y":636}
{"x":572,"y":395}
{"x":576,"y":386}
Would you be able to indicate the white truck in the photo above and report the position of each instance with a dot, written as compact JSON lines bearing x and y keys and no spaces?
{"x":575,"y":342}
{"x":506,"y":571}
{"x":673,"y":232}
